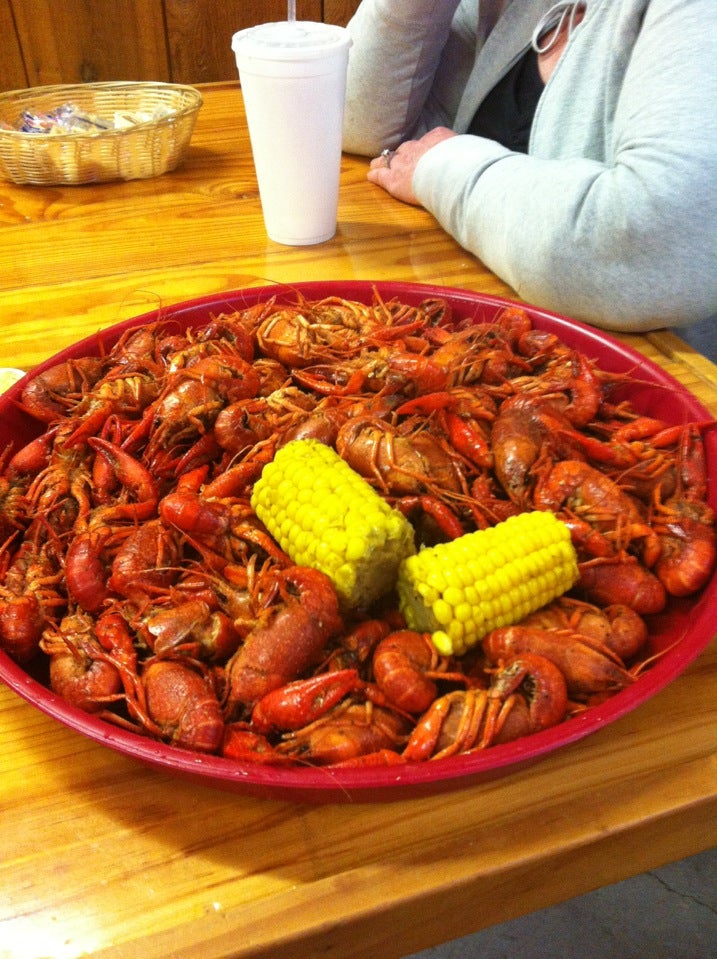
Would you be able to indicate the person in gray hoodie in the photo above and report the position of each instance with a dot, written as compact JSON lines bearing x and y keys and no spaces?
{"x":571,"y":147}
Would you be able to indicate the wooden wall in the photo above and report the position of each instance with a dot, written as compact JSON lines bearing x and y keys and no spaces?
{"x":183,"y":41}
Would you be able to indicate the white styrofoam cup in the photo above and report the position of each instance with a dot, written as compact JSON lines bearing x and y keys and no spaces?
{"x":293,"y":79}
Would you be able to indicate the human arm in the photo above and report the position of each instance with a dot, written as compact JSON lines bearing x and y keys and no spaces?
{"x":392,"y":93}
{"x":394,"y":171}
{"x":624,"y":240}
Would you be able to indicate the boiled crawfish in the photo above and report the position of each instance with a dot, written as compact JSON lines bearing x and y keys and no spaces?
{"x":130,"y":556}
{"x":527,"y":693}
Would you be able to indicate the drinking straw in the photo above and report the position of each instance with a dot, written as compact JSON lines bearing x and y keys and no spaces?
{"x":292,"y":10}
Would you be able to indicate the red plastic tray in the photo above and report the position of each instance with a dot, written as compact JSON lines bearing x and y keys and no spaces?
{"x":684,"y":630}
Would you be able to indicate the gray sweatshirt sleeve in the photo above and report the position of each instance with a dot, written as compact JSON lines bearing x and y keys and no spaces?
{"x":392,"y":89}
{"x":626,"y":240}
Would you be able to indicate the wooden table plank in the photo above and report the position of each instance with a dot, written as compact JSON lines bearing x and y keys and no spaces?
{"x":85,"y":258}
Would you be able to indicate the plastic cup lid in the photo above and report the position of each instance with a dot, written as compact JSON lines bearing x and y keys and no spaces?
{"x":286,"y":40}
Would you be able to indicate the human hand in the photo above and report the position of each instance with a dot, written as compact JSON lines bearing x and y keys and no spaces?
{"x":394,"y":171}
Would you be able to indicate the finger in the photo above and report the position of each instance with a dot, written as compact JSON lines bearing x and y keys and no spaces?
{"x":384,"y":160}
{"x":377,"y":174}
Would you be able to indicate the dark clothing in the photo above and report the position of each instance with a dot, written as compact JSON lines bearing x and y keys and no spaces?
{"x":506,"y":114}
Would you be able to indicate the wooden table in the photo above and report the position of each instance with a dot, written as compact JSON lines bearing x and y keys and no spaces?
{"x":103,"y":857}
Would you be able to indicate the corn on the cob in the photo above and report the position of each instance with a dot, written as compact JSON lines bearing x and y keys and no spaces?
{"x":324,"y":515}
{"x":461,"y":590}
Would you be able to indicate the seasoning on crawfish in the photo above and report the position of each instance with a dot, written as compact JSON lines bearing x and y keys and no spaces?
{"x":134,"y":567}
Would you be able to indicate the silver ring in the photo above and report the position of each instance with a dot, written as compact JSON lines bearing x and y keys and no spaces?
{"x":387,"y":156}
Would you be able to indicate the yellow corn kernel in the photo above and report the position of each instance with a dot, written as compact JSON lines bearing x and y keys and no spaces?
{"x":461,"y":590}
{"x":324,"y":515}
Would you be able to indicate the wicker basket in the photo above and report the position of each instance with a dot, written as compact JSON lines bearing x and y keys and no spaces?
{"x":144,"y":149}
